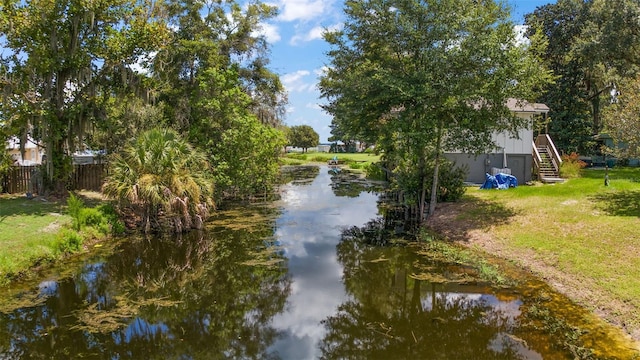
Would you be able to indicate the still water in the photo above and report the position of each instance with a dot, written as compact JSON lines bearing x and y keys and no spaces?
{"x":292,"y":279}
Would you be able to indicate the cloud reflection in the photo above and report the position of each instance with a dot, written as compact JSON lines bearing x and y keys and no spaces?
{"x":309,"y":230}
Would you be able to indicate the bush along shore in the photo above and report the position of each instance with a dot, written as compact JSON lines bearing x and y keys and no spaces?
{"x":37,"y":231}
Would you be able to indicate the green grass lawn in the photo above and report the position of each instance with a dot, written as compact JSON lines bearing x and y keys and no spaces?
{"x":28,"y":230}
{"x":581,"y":227}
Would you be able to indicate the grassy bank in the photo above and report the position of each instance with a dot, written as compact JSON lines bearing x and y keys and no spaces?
{"x":581,"y":236}
{"x":354,"y":161}
{"x":36,"y":231}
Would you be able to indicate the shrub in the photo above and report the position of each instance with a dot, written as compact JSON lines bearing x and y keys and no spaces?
{"x":112,"y":219}
{"x":161,"y":176}
{"x":91,"y":217}
{"x":571,"y":166}
{"x":451,"y":182}
{"x":374,"y":172}
{"x":68,"y":241}
{"x":74,"y":208}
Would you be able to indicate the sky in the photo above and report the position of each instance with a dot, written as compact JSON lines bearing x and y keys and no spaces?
{"x":298,"y":53}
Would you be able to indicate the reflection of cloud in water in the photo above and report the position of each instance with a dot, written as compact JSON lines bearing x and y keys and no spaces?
{"x":508,"y":310}
{"x":309,"y":230}
{"x":504,"y":340}
{"x":48,"y":288}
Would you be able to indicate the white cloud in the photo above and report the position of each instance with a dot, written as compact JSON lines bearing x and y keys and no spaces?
{"x":315,"y":33}
{"x":314,"y":106}
{"x":269,"y":31}
{"x":303,"y":9}
{"x":295,"y":82}
{"x":321,"y":71}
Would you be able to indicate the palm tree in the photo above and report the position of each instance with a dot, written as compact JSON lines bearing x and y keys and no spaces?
{"x":163,"y":180}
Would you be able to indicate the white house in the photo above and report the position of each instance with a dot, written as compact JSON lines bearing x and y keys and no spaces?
{"x":513,"y":155}
{"x":32,"y":152}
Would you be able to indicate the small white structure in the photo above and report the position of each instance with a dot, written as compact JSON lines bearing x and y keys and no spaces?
{"x":88,"y":157}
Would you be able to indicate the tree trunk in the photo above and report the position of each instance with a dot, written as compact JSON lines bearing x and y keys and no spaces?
{"x":436,"y":172}
{"x":423,"y":193}
{"x":434,"y":186}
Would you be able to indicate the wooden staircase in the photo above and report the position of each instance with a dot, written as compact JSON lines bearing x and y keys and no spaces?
{"x":546,"y":160}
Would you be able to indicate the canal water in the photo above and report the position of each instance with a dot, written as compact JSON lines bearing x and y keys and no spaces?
{"x":298,"y":278}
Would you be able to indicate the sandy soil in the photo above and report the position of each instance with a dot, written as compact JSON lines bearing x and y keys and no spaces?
{"x":446,"y":222}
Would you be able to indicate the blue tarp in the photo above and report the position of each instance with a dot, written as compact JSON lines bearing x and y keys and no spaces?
{"x":499,"y":181}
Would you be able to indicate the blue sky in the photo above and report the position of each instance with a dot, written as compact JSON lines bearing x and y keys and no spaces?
{"x":298,"y":52}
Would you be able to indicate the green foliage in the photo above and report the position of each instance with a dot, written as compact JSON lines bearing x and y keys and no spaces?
{"x":127,"y":117}
{"x":246,"y":158}
{"x":103,"y":218}
{"x":571,"y":166}
{"x":50,"y":45}
{"x":5,"y":165}
{"x":374,"y":172}
{"x":69,"y":241}
{"x":393,"y":61}
{"x":591,"y":49}
{"x":211,"y":80}
{"x":622,"y":120}
{"x":302,"y":136}
{"x":451,"y":185}
{"x":162,"y":176}
{"x":75,"y":206}
{"x":219,"y":93}
{"x":116,"y":227}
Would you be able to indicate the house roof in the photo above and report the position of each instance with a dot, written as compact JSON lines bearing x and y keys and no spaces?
{"x":523,"y":106}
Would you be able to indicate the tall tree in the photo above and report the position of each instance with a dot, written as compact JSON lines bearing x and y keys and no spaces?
{"x":622,"y":120}
{"x":219,"y":91}
{"x":340,"y":133}
{"x":419,"y":78}
{"x":65,"y":57}
{"x":571,"y":125}
{"x":303,"y":136}
{"x":592,"y":46}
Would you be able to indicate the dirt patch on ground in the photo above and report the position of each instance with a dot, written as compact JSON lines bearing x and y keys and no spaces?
{"x":448,"y":222}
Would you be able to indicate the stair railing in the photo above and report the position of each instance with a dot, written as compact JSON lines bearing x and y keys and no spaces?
{"x":543,"y":140}
{"x":537,"y":159}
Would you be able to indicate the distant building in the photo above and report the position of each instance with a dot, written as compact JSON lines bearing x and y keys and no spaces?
{"x":88,"y":157}
{"x":33,"y":153}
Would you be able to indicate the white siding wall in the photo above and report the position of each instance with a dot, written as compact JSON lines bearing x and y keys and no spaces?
{"x":521,"y":145}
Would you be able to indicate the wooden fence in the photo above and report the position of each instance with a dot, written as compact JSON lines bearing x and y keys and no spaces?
{"x":23,"y":179}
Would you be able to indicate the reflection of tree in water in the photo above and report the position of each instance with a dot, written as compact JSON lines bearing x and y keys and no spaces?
{"x":200,"y":296}
{"x":299,"y":175}
{"x":348,"y":184}
{"x":393,"y":315}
